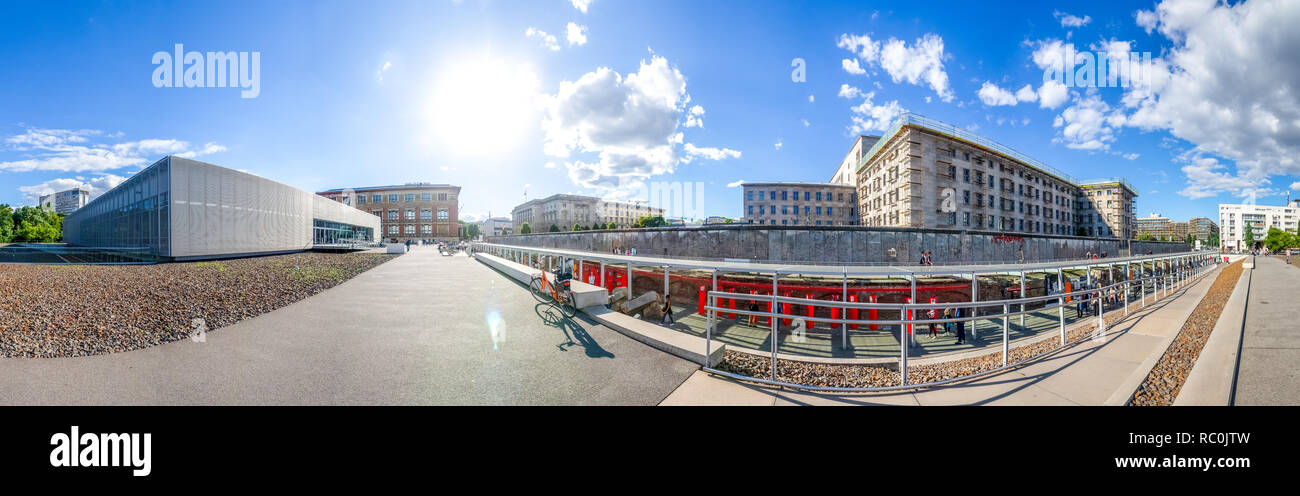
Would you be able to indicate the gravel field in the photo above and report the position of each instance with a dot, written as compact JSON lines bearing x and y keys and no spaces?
{"x":827,"y":375}
{"x":78,"y":310}
{"x":1167,"y":377}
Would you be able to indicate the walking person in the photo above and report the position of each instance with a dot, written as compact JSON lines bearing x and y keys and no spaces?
{"x":753,"y":307}
{"x":961,"y":325}
{"x":668,"y":310}
{"x":934,"y":328}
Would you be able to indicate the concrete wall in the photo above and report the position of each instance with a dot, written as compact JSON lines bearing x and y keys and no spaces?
{"x":879,"y":245}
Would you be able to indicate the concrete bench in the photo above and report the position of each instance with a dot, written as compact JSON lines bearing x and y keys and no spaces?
{"x":584,"y":295}
{"x":658,"y":337}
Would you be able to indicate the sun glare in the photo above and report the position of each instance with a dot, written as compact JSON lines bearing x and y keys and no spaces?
{"x":483,"y":107}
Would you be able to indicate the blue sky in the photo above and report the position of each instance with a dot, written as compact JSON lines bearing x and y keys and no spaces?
{"x":498,"y":98}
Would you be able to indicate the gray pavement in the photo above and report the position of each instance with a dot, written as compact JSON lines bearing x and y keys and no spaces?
{"x":421,"y":329}
{"x":1270,"y":348}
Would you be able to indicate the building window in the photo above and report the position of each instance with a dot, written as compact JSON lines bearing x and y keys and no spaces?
{"x":376,"y":198}
{"x":442,"y":214}
{"x":361,"y":200}
{"x":392,"y":198}
{"x":392,"y":215}
{"x":392,"y":229}
{"x":410,"y":214}
{"x":426,"y":229}
{"x":426,"y":214}
{"x":410,"y":229}
{"x":410,"y":197}
{"x":426,"y":197}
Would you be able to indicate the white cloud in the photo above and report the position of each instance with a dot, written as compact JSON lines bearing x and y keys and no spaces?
{"x":575,"y":34}
{"x":993,"y":95}
{"x":806,"y":123}
{"x":778,"y":144}
{"x":708,"y":153}
{"x":581,"y":5}
{"x":549,"y":165}
{"x":1071,"y":21}
{"x":851,"y":66}
{"x":847,"y":91}
{"x":810,"y":98}
{"x":547,"y":40}
{"x":921,"y":62}
{"x":1295,"y":186}
{"x":1089,"y":124}
{"x":739,"y":182}
{"x":1131,"y":156}
{"x":96,"y":186}
{"x":1146,"y":19}
{"x":628,"y":123}
{"x":867,"y":116}
{"x":1052,"y":94}
{"x":382,"y":69}
{"x":695,"y":118}
{"x":73,"y":151}
{"x":1230,"y":85}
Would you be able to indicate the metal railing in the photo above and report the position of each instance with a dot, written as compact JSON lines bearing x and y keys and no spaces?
{"x":1184,"y":273}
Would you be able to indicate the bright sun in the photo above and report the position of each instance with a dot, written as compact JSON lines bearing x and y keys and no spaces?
{"x":483,"y":107}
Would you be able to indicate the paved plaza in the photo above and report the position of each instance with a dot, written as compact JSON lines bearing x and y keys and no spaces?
{"x":1270,"y":346}
{"x":422,"y":329}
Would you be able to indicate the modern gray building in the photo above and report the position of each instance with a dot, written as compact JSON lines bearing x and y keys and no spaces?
{"x":181,"y":209}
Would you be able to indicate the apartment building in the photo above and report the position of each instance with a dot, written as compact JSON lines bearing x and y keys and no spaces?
{"x":800,"y":204}
{"x":65,"y":202}
{"x":926,"y":173}
{"x":1161,"y":227}
{"x":1202,"y":228}
{"x":1236,"y":218}
{"x":1106,"y":209}
{"x":564,"y":211}
{"x":408,"y":212}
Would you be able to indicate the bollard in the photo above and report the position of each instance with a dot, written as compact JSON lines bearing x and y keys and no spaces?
{"x":853,"y":312}
{"x":701,"y":299}
{"x":785,"y":309}
{"x":1006,"y":332}
{"x":809,"y":311}
{"x":873,"y":313}
{"x":1060,"y":307}
{"x":835,"y":313}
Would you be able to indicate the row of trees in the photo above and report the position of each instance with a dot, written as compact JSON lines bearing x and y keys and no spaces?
{"x":646,"y":221}
{"x":30,"y":224}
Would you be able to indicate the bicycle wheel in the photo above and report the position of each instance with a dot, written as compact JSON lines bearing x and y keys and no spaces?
{"x":539,"y":293}
{"x":566,"y":304}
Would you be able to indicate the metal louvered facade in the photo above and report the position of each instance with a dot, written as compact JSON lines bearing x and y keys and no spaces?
{"x":184,"y":209}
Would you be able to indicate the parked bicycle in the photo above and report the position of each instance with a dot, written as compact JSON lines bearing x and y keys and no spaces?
{"x":559,"y":292}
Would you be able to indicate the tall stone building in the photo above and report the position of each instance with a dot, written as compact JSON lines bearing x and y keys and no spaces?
{"x":800,"y":204}
{"x":926,"y":173}
{"x":564,"y":211}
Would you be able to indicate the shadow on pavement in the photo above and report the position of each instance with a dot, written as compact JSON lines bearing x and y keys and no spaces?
{"x":574,"y":334}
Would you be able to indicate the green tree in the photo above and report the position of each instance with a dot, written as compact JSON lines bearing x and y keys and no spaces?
{"x":525,"y":228}
{"x":612,"y":226}
{"x":6,"y":223}
{"x":1213,"y":241}
{"x":651,"y":221}
{"x":1146,"y":237}
{"x":472,"y":230}
{"x":1250,"y":237}
{"x":578,"y":227}
{"x":1278,"y":239}
{"x":555,"y":228}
